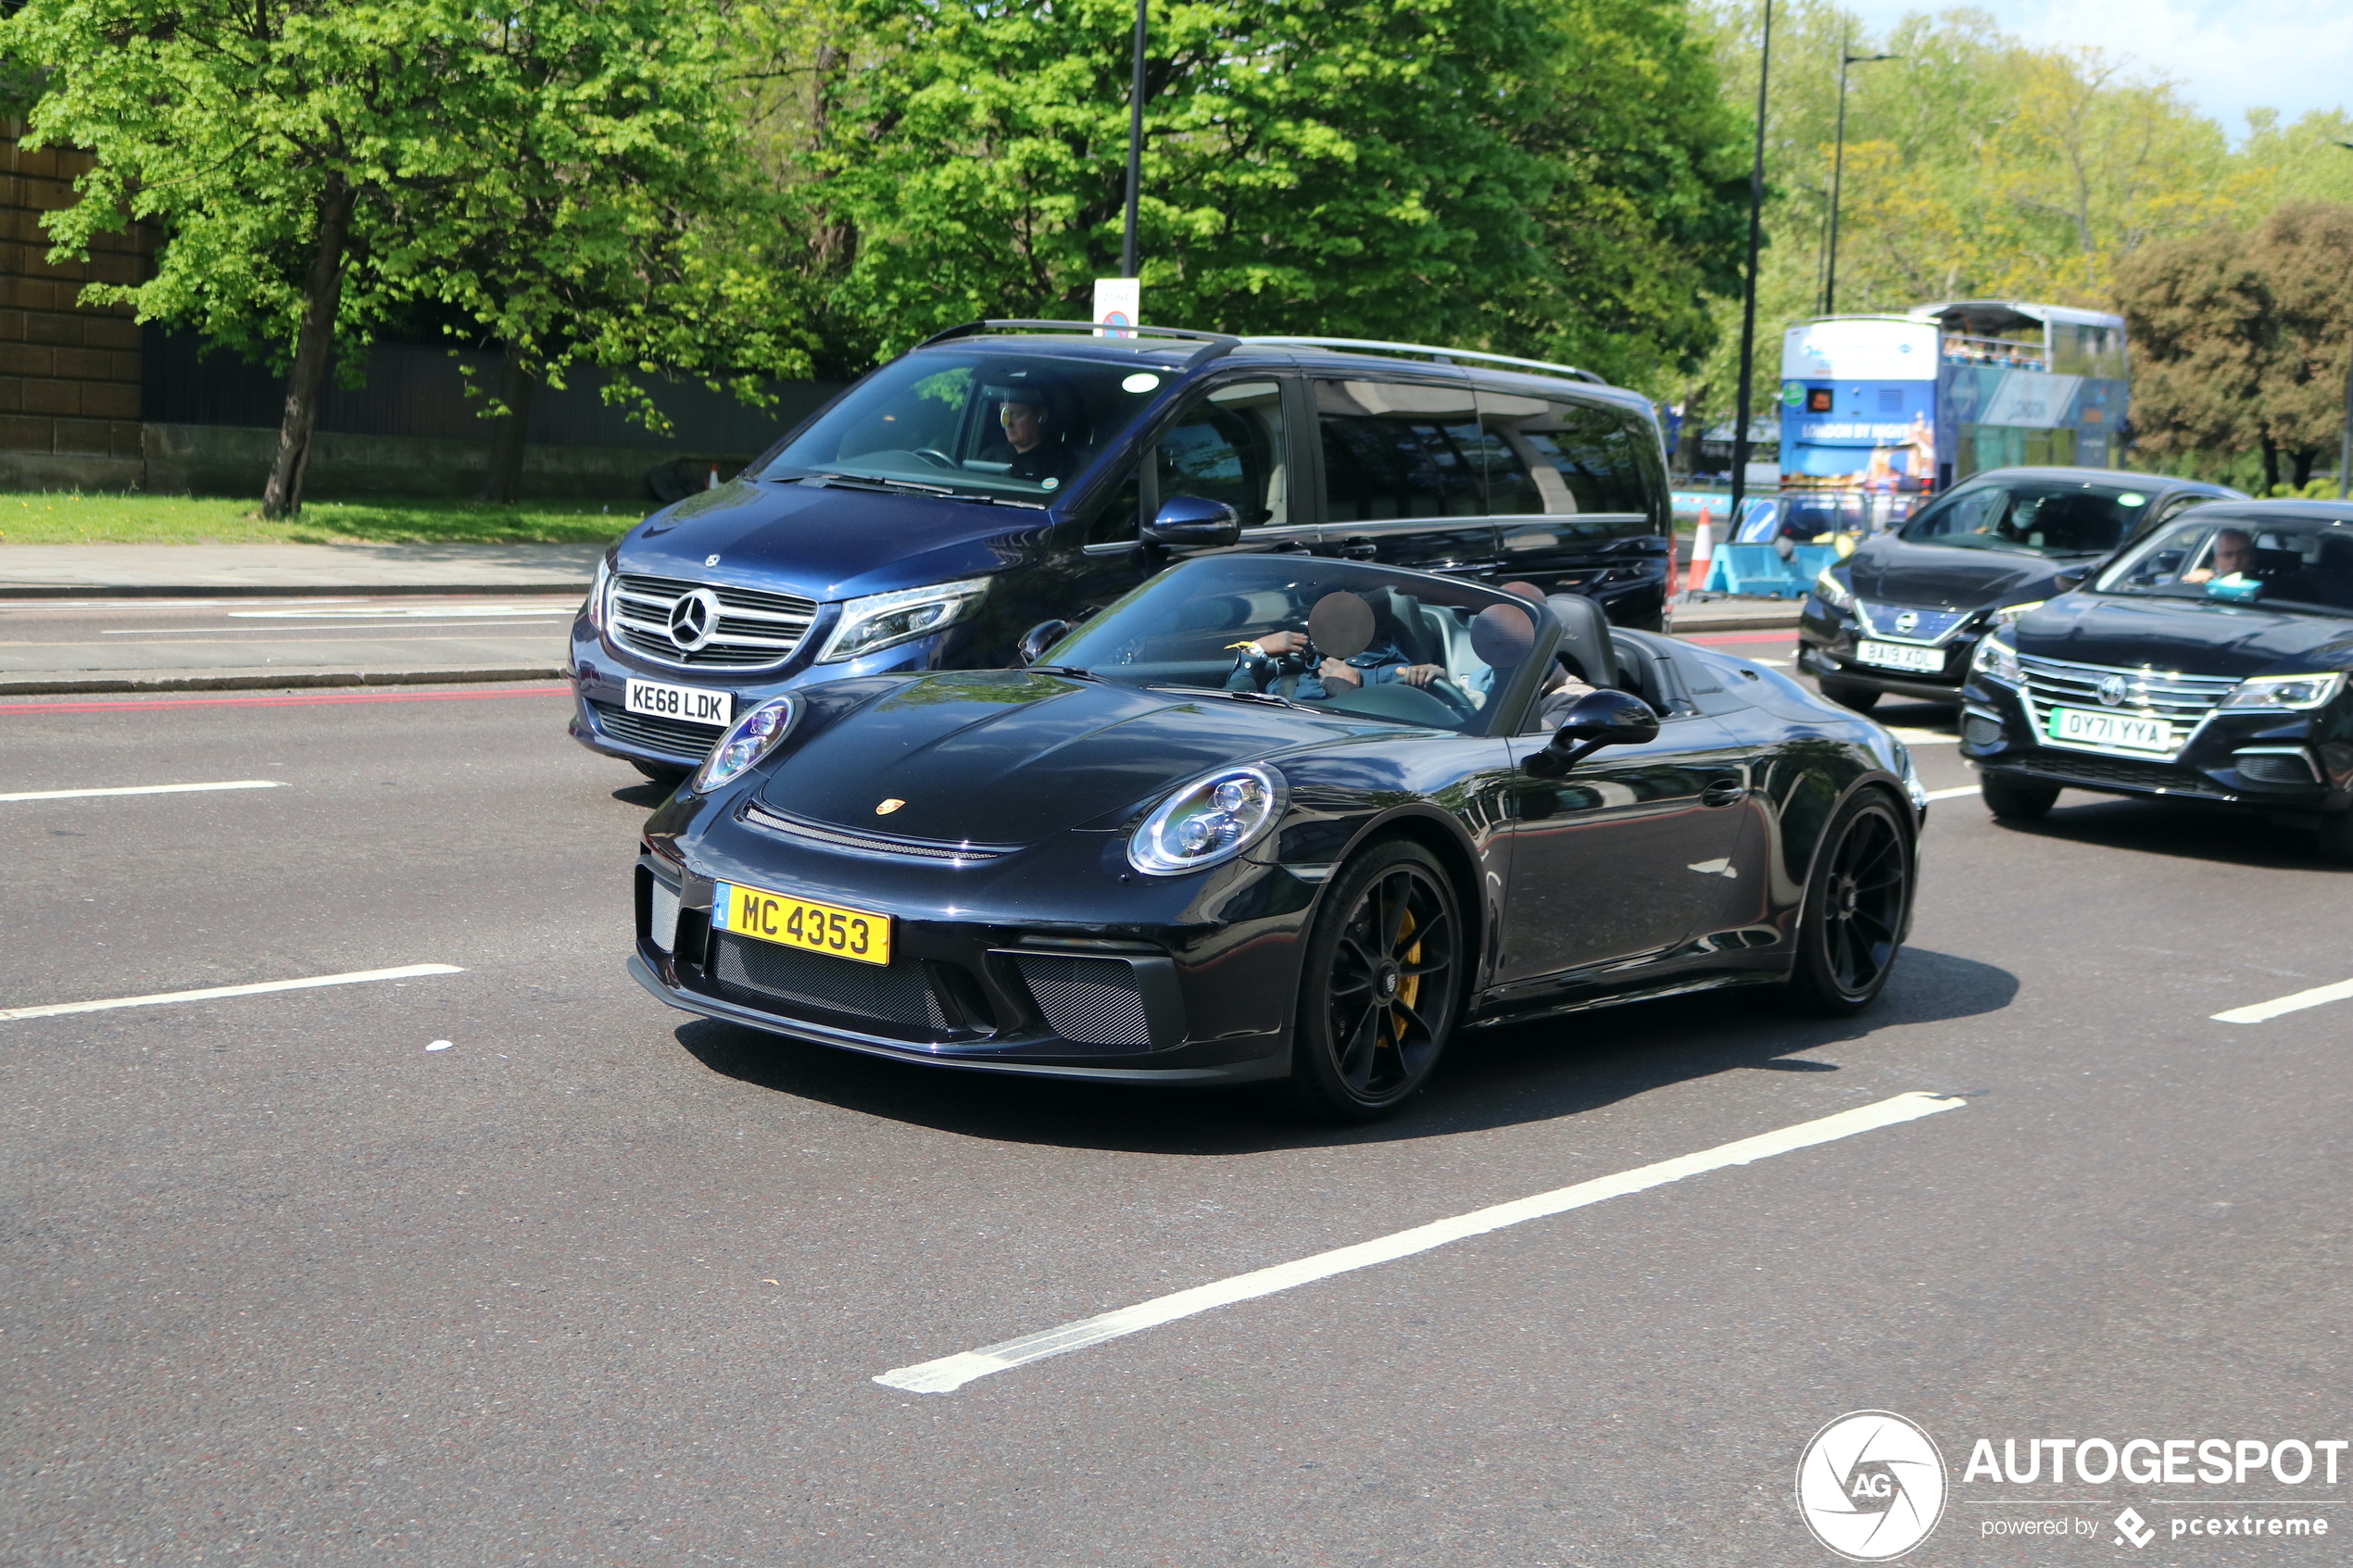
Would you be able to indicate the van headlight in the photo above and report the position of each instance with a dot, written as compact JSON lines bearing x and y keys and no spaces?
{"x":597,"y":590}
{"x":1832,"y":592}
{"x":881,"y":621}
{"x":1208,"y":822}
{"x":2284,"y":691}
{"x":747,"y":740}
{"x":1996,"y":661}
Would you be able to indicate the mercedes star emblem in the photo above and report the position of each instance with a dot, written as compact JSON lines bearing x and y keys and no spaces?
{"x":710,"y":560}
{"x":2112,"y":690}
{"x":693,"y":619}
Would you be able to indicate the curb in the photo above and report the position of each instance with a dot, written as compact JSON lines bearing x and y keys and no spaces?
{"x":277,"y":590}
{"x":70,"y":684}
{"x":1734,"y":623}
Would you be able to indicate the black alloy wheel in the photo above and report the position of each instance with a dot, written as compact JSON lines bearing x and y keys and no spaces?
{"x":2017,"y":800}
{"x":1855,"y":909}
{"x":1382,"y":984}
{"x":2334,"y":838}
{"x":1861,"y":700}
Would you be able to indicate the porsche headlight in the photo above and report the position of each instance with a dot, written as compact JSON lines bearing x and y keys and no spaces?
{"x":750,"y":738}
{"x":1832,"y":592}
{"x":1208,"y":822}
{"x":1996,"y":661}
{"x":881,"y":621}
{"x":598,"y":589}
{"x":2284,"y":691}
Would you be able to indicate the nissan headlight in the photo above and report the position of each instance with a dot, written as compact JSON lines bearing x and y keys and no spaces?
{"x":2284,"y":691}
{"x":1208,"y":822}
{"x":1832,"y":592}
{"x":882,"y":621}
{"x":598,"y":589}
{"x":747,"y":740}
{"x":2010,"y":615}
{"x":1996,"y":661}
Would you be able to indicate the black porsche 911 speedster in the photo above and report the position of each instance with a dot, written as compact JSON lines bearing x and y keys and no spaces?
{"x":1276,"y":816}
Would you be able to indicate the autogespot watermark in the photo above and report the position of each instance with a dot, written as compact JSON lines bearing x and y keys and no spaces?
{"x":1872,"y":1484}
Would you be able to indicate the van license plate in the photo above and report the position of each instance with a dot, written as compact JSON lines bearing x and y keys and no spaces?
{"x":691,"y":705}
{"x":2093,"y":731}
{"x":1902,"y":656}
{"x":801,"y":923}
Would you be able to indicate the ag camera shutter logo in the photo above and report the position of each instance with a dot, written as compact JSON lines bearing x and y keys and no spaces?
{"x":1870,"y":1486}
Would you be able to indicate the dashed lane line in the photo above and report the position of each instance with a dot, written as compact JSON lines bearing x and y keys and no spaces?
{"x":356,"y":977}
{"x":951,"y":1372}
{"x":2260,"y":1012}
{"x":141,"y":789}
{"x":1953,"y":793}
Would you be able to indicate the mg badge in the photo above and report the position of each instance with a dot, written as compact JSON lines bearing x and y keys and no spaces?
{"x":888,"y":807}
{"x":1908,"y":621}
{"x":2112,"y":689}
{"x":692,"y":620}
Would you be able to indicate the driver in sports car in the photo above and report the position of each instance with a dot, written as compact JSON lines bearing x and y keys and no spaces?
{"x":1262,"y":661}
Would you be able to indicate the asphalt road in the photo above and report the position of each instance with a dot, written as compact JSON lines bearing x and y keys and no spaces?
{"x":599,"y":1284}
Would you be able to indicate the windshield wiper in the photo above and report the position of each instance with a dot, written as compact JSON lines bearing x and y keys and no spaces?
{"x":1073,"y":670}
{"x":862,"y":482}
{"x":1239,"y":697}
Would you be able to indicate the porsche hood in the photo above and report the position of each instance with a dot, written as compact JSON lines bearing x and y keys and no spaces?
{"x":1008,"y":757}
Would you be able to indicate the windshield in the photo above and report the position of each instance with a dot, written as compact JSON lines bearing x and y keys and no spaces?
{"x":2281,"y":563}
{"x":1330,"y":635}
{"x":990,"y":426}
{"x":2036,"y":516}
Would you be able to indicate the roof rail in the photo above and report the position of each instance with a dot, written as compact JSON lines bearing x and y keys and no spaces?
{"x":1448,"y":354}
{"x":1214,"y":345}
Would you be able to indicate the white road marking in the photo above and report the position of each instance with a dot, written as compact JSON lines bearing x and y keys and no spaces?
{"x":143,"y":789}
{"x":356,"y":977}
{"x":413,"y":612}
{"x":951,"y":1372}
{"x":1921,"y":737}
{"x":1954,"y":792}
{"x":314,"y":631}
{"x":2340,"y":992}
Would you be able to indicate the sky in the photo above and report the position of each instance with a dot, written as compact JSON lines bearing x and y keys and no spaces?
{"x":2229,"y":55}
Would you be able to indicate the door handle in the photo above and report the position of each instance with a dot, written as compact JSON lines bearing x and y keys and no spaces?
{"x":1723,"y":791}
{"x":1360,"y":549}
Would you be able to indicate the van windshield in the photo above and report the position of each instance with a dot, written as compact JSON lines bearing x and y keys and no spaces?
{"x":1018,"y":427}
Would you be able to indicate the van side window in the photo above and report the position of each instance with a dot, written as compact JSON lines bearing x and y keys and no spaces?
{"x":1122,"y":515}
{"x":1549,"y":456}
{"x":1231,"y":446}
{"x":1398,"y":450}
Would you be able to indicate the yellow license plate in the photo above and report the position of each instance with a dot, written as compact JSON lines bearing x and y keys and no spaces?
{"x":801,"y":923}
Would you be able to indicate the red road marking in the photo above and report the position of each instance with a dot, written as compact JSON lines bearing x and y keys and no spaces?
{"x":290,"y":701}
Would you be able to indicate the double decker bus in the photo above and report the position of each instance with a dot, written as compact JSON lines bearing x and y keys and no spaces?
{"x":1880,"y":412}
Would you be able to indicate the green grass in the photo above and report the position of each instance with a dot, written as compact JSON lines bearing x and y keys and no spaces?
{"x":63,"y":518}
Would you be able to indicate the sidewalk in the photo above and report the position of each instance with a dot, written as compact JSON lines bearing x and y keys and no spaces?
{"x":1725,"y":613}
{"x":32,"y":572}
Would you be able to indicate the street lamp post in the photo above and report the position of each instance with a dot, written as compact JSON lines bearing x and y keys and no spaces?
{"x":1748,"y":306}
{"x":2345,"y":444}
{"x":1135,"y":149}
{"x":1838,"y":172}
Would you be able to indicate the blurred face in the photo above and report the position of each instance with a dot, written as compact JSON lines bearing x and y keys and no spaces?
{"x":2233,"y":551}
{"x":1024,"y":424}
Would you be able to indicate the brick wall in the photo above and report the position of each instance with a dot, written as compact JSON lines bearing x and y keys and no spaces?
{"x":69,"y":376}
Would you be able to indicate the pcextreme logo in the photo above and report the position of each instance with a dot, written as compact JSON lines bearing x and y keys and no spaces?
{"x":1870,"y":1486}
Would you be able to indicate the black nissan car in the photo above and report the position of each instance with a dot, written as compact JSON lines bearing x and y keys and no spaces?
{"x":1008,"y":472}
{"x":2208,"y":662}
{"x":1903,"y":615}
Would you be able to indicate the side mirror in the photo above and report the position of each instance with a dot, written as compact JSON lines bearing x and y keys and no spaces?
{"x":1039,"y":638}
{"x":1596,"y":719}
{"x":1193,"y":522}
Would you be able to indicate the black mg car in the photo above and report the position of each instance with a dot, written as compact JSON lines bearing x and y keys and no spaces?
{"x":1903,"y":615}
{"x":1274,"y":816}
{"x":2208,"y":663}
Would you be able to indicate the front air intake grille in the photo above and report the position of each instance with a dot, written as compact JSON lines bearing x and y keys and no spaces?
{"x":2184,"y":700}
{"x":774,"y":979}
{"x":750,"y":631}
{"x":823,"y":837}
{"x":2124,"y":772}
{"x":1088,"y":1001}
{"x":671,"y":738}
{"x":1928,"y":625}
{"x":2276,"y":767}
{"x":1978,"y":730}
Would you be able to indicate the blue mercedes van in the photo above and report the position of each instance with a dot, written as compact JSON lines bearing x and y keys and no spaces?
{"x":1006,"y":473}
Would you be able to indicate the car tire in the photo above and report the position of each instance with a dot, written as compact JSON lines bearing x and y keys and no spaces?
{"x":2334,"y":838}
{"x":1857,"y":905}
{"x":1862,"y":700}
{"x":1376,"y":1004}
{"x":662,"y":774}
{"x":2017,"y":800}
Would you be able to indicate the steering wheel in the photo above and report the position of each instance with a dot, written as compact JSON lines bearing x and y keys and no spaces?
{"x":936,"y":458}
{"x":1452,"y":696}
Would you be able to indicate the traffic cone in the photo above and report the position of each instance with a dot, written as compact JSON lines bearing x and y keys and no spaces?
{"x":1703,"y":555}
